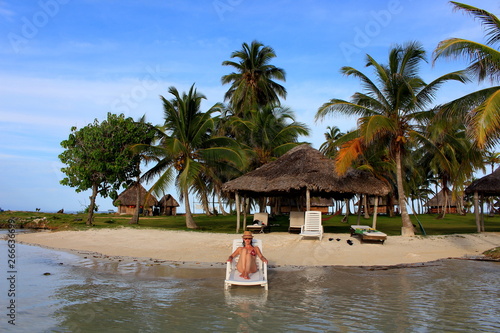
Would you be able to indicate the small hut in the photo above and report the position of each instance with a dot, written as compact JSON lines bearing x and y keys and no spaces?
{"x":442,"y":203}
{"x":487,"y":186}
{"x":168,"y":205}
{"x":127,"y":200}
{"x":387,"y":205}
{"x":289,"y":204}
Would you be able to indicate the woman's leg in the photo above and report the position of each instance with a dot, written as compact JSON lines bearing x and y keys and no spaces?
{"x":246,"y":264}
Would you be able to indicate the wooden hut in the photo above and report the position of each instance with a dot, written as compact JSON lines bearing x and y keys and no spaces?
{"x":127,"y":201}
{"x":387,"y":205}
{"x":168,"y":205}
{"x":487,"y":186}
{"x":289,"y":204}
{"x":442,"y":203}
{"x":304,"y":171}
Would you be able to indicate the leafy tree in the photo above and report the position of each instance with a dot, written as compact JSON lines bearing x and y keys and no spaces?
{"x":388,"y":111}
{"x":98,"y":157}
{"x":481,"y":108}
{"x":329,"y":148}
{"x":252,"y":83}
{"x":187,"y":150}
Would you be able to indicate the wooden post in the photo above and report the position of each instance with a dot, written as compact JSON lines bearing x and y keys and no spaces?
{"x":308,"y":199}
{"x":237,"y":197}
{"x":375,"y":211}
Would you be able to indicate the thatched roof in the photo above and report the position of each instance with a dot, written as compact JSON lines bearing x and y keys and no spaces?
{"x":304,"y":167}
{"x":128,"y":197}
{"x":439,"y":199}
{"x":488,"y":185}
{"x":168,"y":201}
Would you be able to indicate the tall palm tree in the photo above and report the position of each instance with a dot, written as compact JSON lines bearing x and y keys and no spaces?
{"x":329,"y":148}
{"x":268,"y":133}
{"x":482,"y":107}
{"x":389,"y":111}
{"x":186,"y":149}
{"x":252,"y":83}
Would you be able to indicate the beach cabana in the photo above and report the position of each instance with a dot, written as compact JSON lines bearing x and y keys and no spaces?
{"x":487,"y":186}
{"x":304,"y":171}
{"x":168,"y":205}
{"x":127,"y":200}
{"x":442,"y":203}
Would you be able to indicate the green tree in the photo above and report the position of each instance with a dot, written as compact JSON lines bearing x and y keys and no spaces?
{"x":147,"y":132}
{"x":252,"y":83}
{"x":481,"y":108}
{"x":389,"y":111}
{"x":187,"y":148}
{"x":98,"y":157}
{"x":329,"y":148}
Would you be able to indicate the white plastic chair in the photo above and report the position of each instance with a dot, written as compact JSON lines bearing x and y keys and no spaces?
{"x":261,"y":217}
{"x":256,"y":279}
{"x":296,"y":221}
{"x":312,"y":225}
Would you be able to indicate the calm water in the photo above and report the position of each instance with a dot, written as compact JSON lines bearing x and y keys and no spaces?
{"x":91,"y":295}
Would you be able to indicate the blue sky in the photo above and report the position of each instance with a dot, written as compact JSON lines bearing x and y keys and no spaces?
{"x":68,"y":62}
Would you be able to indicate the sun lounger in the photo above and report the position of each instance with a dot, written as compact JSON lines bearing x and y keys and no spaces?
{"x":367,"y":233}
{"x":312,"y":225}
{"x":260,"y":223}
{"x":258,"y":278}
{"x":296,"y":221}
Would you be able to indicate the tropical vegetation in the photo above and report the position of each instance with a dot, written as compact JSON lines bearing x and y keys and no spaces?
{"x":401,"y":137}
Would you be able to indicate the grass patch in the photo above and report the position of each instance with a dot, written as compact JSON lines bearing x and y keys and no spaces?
{"x":451,"y":224}
{"x":493,"y":253}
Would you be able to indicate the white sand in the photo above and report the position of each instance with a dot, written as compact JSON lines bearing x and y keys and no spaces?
{"x":281,"y":249}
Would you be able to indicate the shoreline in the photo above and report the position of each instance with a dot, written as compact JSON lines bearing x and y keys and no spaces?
{"x":198,"y":249}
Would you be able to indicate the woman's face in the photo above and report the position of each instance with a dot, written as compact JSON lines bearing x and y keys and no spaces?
{"x":247,"y":240}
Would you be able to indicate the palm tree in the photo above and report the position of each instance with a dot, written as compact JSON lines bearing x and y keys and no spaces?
{"x":187,"y":148}
{"x":482,"y":107}
{"x":389,"y":111}
{"x":329,"y":148}
{"x":252,"y":83}
{"x":268,"y":133}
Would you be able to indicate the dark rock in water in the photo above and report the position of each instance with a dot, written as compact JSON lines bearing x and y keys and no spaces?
{"x":47,"y":273}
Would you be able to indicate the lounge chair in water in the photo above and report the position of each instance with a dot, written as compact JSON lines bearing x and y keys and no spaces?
{"x":312,"y":225}
{"x":260,"y":223}
{"x":258,"y":278}
{"x":367,"y":233}
{"x":296,"y":221}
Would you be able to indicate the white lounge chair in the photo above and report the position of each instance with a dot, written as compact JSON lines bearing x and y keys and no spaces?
{"x":312,"y":225}
{"x":296,"y":221}
{"x":258,"y":278}
{"x":260,"y":222}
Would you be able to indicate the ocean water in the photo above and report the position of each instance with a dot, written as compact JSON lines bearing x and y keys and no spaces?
{"x":60,"y":292}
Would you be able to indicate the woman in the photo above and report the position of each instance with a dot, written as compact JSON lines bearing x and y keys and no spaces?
{"x":248,"y":254}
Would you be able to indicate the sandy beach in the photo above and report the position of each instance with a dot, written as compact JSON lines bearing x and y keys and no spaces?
{"x":281,"y":249}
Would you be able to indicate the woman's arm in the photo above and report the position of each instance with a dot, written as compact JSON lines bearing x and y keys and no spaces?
{"x":235,"y":254}
{"x":261,"y":256}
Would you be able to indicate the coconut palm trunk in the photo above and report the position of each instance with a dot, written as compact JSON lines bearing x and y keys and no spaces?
{"x":407,"y":228}
{"x":189,"y":216}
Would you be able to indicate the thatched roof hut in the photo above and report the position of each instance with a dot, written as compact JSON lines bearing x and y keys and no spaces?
{"x":305,"y":168}
{"x":304,"y":171}
{"x":442,"y":202}
{"x":127,"y":200}
{"x":168,"y":205}
{"x":486,"y":186}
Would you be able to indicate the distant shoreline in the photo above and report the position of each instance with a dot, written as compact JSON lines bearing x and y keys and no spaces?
{"x":281,"y":249}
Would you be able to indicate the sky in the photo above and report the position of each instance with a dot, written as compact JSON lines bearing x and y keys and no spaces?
{"x":65,"y":63}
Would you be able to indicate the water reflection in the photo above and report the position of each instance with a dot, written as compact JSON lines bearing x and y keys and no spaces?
{"x":95,"y":295}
